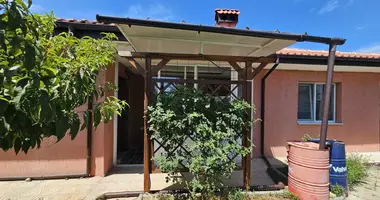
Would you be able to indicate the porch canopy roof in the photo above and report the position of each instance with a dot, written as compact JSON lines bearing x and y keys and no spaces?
{"x":164,"y":40}
{"x":148,"y":36}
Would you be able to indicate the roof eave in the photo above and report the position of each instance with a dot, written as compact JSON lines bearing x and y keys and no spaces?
{"x":214,"y":29}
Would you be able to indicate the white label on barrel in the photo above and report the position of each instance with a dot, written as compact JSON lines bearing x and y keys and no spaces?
{"x":339,"y":169}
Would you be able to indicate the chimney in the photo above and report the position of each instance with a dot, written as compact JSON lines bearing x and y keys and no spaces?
{"x":226,"y":17}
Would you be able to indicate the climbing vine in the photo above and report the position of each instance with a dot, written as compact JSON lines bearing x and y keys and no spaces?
{"x":202,"y":133}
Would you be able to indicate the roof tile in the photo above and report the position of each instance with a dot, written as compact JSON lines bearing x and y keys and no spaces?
{"x":227,"y":11}
{"x":319,"y":53}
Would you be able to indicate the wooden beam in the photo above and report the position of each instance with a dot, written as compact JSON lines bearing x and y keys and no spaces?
{"x":160,"y":65}
{"x":268,"y":59}
{"x":247,"y":134}
{"x":136,"y":66}
{"x":147,"y":142}
{"x":239,"y":70}
{"x":258,"y":70}
{"x":126,"y":63}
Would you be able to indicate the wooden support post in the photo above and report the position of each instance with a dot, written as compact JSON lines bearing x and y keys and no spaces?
{"x":240,"y":71}
{"x":159,"y":66}
{"x":136,"y":66}
{"x":247,"y":135}
{"x":258,"y":70}
{"x":147,"y":143}
{"x":327,"y":95}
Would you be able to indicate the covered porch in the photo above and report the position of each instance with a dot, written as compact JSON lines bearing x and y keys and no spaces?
{"x":157,"y":46}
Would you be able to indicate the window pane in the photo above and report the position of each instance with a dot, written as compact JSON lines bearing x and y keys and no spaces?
{"x":320,"y":88}
{"x":305,"y":101}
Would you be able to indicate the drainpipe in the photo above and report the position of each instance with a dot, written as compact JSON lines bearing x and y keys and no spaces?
{"x":71,"y":30}
{"x":263,"y":110}
{"x":89,"y":136}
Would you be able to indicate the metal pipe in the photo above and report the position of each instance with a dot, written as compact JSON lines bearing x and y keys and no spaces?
{"x":262,"y":110}
{"x":89,"y":136}
{"x":327,"y":94}
{"x":215,"y":29}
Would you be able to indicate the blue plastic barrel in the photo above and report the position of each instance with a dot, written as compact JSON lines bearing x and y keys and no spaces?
{"x":338,"y":168}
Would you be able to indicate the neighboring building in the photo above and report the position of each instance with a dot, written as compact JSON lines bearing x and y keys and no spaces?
{"x":292,"y":109}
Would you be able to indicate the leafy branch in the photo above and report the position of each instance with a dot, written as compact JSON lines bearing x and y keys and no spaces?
{"x":45,"y":77}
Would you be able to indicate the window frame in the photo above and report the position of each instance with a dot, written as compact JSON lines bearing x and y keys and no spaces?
{"x":314,"y":86}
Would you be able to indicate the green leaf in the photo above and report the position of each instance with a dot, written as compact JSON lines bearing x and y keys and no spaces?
{"x":4,"y":144}
{"x":30,"y":56}
{"x":4,"y":126}
{"x":45,"y":105}
{"x":29,"y":3}
{"x":74,"y":129}
{"x":61,"y":128}
{"x":3,"y":104}
{"x":26,"y":145}
{"x":17,"y":144}
{"x":17,"y":99}
{"x":49,"y":71}
{"x":81,"y":73}
{"x":97,"y":117}
{"x":85,"y":119}
{"x":14,"y":68}
{"x":21,"y":3}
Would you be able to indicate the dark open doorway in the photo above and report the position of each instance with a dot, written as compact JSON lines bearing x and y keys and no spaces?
{"x":129,"y":127}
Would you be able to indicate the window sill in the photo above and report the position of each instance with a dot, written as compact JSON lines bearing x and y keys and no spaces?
{"x":318,"y":123}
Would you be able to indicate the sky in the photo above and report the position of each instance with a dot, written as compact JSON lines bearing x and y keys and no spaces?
{"x":358,"y":21}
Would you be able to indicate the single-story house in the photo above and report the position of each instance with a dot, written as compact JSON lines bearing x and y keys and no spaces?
{"x":289,"y":107}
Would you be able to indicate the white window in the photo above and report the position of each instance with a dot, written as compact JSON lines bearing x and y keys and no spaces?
{"x":310,"y":102}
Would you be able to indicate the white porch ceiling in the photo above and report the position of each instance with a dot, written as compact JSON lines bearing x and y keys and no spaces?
{"x":165,"y":40}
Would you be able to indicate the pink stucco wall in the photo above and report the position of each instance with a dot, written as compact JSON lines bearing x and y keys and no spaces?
{"x":357,"y":109}
{"x":67,"y":157}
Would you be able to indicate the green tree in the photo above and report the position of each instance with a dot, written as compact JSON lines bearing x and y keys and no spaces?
{"x":199,"y":132}
{"x":44,"y":77}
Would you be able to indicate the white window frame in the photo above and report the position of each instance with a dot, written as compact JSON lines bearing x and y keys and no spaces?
{"x":314,"y":85}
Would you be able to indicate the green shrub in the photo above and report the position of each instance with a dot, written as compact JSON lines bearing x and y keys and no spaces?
{"x":356,"y":169}
{"x":337,"y":190}
{"x":236,"y":195}
{"x":307,"y":137}
{"x":214,"y":126}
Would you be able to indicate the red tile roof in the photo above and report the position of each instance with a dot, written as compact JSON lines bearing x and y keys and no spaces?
{"x":227,"y":11}
{"x":319,"y":53}
{"x":286,"y":51}
{"x":82,"y":21}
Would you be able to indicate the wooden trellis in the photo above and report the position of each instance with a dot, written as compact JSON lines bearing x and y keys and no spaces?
{"x":219,"y":88}
{"x":213,"y":87}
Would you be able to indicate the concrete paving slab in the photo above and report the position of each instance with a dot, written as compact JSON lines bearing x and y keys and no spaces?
{"x":120,"y":179}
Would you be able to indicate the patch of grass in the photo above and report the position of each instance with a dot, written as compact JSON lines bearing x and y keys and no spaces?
{"x":356,"y":169}
{"x":337,"y":190}
{"x":289,"y":195}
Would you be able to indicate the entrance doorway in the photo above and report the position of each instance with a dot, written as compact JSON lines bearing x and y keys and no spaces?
{"x":130,"y":137}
